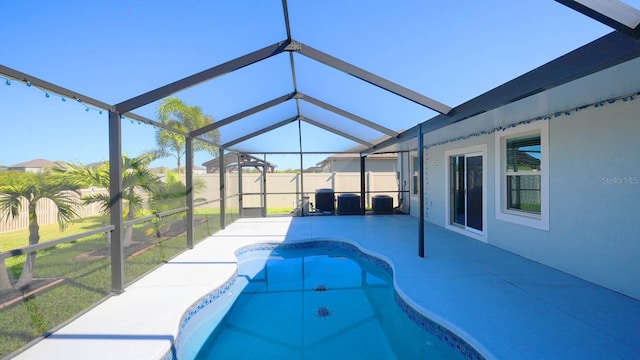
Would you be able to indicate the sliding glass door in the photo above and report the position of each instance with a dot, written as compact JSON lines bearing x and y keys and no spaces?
{"x":465,"y":191}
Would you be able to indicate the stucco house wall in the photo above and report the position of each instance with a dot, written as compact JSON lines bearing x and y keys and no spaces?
{"x":593,"y":194}
{"x":351,"y":163}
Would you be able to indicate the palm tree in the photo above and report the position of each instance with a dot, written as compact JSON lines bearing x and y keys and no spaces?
{"x":137,"y":182}
{"x":186,"y":118}
{"x":41,"y":186}
{"x":174,"y":192}
{"x":173,"y":195}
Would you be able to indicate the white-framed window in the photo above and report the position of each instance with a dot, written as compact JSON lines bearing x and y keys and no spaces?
{"x":522,"y":175}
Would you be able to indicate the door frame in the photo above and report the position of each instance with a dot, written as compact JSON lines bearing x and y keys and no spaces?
{"x":477,"y":150}
{"x":253,"y":212}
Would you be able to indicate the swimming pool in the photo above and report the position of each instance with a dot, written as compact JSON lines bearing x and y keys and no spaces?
{"x":311,"y":300}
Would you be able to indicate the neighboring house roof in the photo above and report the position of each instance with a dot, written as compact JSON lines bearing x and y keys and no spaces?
{"x":97,"y":164}
{"x":381,"y":156}
{"x":159,"y":170}
{"x":36,"y":164}
{"x":372,"y":156}
{"x":313,"y":169}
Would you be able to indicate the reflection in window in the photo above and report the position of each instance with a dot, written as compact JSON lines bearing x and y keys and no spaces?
{"x":416,"y":170}
{"x":523,"y":173}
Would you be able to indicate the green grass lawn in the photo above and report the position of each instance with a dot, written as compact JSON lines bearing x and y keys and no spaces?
{"x":231,"y":212}
{"x":87,"y":277}
{"x":85,"y":266}
{"x":20,"y":238}
{"x":276,"y":211}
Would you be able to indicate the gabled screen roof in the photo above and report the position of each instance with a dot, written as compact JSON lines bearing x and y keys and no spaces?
{"x":345,"y":75}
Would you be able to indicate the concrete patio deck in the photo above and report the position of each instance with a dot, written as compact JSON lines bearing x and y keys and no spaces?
{"x":504,"y":305}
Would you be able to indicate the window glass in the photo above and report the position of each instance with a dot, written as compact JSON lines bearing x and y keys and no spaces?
{"x":523,"y":193}
{"x":523,"y":153}
{"x":523,"y":163}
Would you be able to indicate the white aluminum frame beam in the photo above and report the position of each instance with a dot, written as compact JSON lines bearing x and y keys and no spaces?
{"x":309,"y":99}
{"x":243,"y":114}
{"x":355,"y":152}
{"x":47,"y":86}
{"x":346,"y":114}
{"x":82,"y":99}
{"x":145,"y":120}
{"x":335,"y":131}
{"x":616,"y":14}
{"x":368,"y":77}
{"x":259,"y":132}
{"x":202,"y":76}
{"x":285,"y":11}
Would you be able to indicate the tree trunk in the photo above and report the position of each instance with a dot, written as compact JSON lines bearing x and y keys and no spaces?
{"x":26,"y":277}
{"x":5,"y":283}
{"x":128,"y":232}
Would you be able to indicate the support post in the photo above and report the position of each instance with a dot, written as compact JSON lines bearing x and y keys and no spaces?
{"x":421,"y":191}
{"x":264,"y":185}
{"x":189,"y":186}
{"x":302,"y":213}
{"x":368,"y":187}
{"x":362,"y":186}
{"x":223,"y":188}
{"x":403,"y":178}
{"x":298,"y":193}
{"x":240,"y":202}
{"x":115,"y":202}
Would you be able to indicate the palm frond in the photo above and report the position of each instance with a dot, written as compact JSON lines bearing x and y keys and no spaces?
{"x":102,"y":199}
{"x":11,"y":200}
{"x":66,"y":206}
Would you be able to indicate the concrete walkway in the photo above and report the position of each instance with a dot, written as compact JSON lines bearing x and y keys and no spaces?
{"x":506,"y":306}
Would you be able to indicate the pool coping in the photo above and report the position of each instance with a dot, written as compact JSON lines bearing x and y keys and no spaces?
{"x":448,"y":336}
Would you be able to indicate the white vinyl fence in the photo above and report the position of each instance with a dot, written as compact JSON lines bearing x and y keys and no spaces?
{"x":281,"y":188}
{"x":48,"y":214}
{"x":281,"y":192}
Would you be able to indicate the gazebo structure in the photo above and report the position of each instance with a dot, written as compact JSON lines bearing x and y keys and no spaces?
{"x":232,"y":162}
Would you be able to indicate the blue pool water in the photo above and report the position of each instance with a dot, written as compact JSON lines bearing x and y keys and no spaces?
{"x":314,"y":303}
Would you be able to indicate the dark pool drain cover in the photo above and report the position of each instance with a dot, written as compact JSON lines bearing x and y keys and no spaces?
{"x":320,"y":288}
{"x":323,"y":312}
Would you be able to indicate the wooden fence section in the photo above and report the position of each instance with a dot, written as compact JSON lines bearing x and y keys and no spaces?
{"x":281,"y":188}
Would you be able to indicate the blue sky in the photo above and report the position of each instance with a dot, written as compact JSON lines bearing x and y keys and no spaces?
{"x":115,"y":50}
